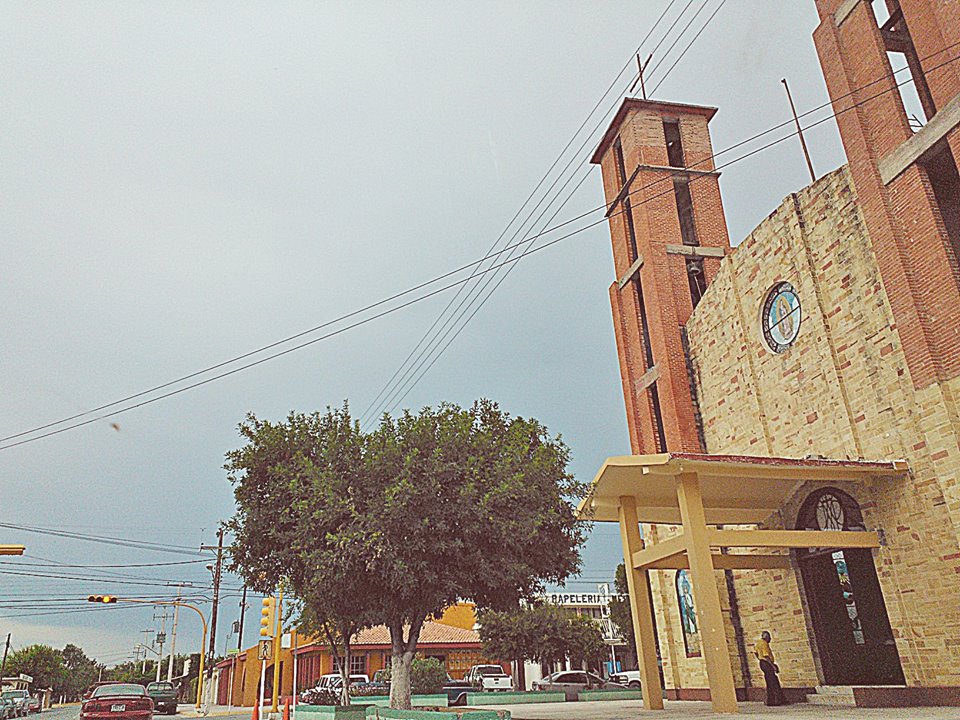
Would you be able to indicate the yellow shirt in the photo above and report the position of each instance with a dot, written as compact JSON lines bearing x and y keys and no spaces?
{"x":763,"y":651}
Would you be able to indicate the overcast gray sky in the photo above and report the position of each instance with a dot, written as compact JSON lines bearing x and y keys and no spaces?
{"x":183,"y":182}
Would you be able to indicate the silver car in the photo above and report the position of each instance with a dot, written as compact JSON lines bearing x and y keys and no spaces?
{"x":572,"y":682}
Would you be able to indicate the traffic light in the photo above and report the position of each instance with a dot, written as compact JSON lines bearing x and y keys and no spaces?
{"x":268,"y":617}
{"x":108,"y":599}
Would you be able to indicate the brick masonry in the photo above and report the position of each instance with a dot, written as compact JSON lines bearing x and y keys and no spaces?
{"x":842,"y":390}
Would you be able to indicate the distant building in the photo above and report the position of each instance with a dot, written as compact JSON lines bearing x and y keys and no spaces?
{"x":452,"y":639}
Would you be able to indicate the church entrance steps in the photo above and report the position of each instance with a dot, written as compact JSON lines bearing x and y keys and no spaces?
{"x":833,"y":695}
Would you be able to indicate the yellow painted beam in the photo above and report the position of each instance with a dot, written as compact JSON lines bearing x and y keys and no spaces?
{"x":706,"y":596}
{"x":641,"y":609}
{"x":792,"y":538}
{"x":12,"y":549}
{"x":655,"y":552}
{"x":727,"y":562}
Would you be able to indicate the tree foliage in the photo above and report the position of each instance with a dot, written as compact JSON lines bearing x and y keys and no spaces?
{"x":82,"y":672}
{"x":541,"y":632}
{"x":43,"y":663}
{"x":620,"y":609}
{"x":395,"y":525}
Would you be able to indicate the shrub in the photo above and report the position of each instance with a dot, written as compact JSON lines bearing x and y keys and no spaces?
{"x":321,"y":696}
{"x":427,"y":675}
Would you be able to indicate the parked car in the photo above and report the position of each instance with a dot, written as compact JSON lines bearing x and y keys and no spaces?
{"x":627,"y":678}
{"x":489,"y":678}
{"x":19,"y":699}
{"x":571,"y":682}
{"x":117,"y":701}
{"x":456,"y":691}
{"x":7,"y":709}
{"x":337,"y":681}
{"x":33,"y":704}
{"x":164,"y":696}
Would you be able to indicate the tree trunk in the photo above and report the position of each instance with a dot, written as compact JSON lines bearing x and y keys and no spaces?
{"x":403,"y":651}
{"x":521,"y":678}
{"x":345,"y":675}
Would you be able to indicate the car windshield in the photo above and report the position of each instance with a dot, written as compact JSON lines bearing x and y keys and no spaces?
{"x":11,"y":694}
{"x":490,"y":670}
{"x":118,"y":690}
{"x":160,"y":686}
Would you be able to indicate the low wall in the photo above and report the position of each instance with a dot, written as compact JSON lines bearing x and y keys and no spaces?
{"x":332,"y":712}
{"x":381,"y":713}
{"x":614,"y":694}
{"x":513,"y":698}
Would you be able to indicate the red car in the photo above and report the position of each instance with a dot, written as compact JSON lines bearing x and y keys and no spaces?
{"x":117,"y":701}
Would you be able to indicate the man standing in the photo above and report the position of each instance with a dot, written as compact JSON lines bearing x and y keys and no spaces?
{"x":768,"y":666}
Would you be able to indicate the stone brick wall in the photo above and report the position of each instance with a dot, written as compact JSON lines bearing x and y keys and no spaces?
{"x":843,"y":390}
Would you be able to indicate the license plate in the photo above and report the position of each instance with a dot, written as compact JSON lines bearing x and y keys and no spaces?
{"x":117,"y":708}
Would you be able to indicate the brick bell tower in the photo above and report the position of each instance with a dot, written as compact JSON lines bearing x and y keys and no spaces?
{"x":669,"y":234}
{"x":906,"y":176}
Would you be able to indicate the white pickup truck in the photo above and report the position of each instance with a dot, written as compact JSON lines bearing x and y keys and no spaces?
{"x":489,"y":678}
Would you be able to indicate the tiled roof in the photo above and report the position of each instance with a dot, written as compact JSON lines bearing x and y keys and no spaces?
{"x":432,"y":633}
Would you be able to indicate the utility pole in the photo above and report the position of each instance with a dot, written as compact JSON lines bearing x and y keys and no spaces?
{"x":173,"y":635}
{"x":217,"y":572}
{"x":803,"y":143}
{"x":161,"y":639}
{"x":145,"y":634}
{"x":6,"y":649}
{"x":243,"y":609}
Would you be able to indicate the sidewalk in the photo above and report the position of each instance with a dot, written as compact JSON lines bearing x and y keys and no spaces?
{"x":688,"y":710}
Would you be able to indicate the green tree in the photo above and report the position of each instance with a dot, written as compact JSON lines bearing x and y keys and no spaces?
{"x":427,"y":509}
{"x":42,"y":662}
{"x":81,"y":672}
{"x":584,"y":641}
{"x":620,"y":610}
{"x":543,"y":633}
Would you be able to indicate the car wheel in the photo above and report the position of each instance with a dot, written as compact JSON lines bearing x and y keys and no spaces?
{"x":634,"y":685}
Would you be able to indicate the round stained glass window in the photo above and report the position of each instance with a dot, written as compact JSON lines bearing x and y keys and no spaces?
{"x":781,"y":317}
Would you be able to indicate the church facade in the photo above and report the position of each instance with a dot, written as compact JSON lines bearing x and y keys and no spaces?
{"x":830,"y":332}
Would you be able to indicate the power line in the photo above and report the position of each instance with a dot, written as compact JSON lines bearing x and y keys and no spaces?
{"x":403,"y":390}
{"x":105,"y":540}
{"x":433,"y":280}
{"x":410,"y":377}
{"x":690,"y":44}
{"x":373,"y":408}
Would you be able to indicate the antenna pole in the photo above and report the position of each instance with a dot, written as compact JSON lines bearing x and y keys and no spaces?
{"x":803,"y":143}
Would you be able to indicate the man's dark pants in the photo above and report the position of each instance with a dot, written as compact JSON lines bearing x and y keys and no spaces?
{"x":774,"y":691}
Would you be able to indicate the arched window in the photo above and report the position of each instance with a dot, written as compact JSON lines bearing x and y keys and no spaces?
{"x":688,"y":616}
{"x":833,"y":509}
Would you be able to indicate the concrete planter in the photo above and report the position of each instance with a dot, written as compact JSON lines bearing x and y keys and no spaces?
{"x":416,"y":700}
{"x":593,"y":695}
{"x":332,"y":712}
{"x":382,"y":713}
{"x":512,"y":698}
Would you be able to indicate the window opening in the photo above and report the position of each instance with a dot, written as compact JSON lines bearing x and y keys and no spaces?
{"x":627,"y":207}
{"x":688,"y":228}
{"x":671,"y":133}
{"x":918,"y":104}
{"x":653,"y":396}
{"x":688,"y":616}
{"x":621,"y":167}
{"x":697,"y":280}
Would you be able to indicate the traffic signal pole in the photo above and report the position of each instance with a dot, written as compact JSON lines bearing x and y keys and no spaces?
{"x":276,"y":651}
{"x":110,"y":599}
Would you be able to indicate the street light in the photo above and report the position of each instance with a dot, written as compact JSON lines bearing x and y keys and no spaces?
{"x":177,"y":603}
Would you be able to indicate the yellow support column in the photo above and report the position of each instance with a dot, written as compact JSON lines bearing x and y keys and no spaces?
{"x":640,"y":610}
{"x":706,"y":596}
